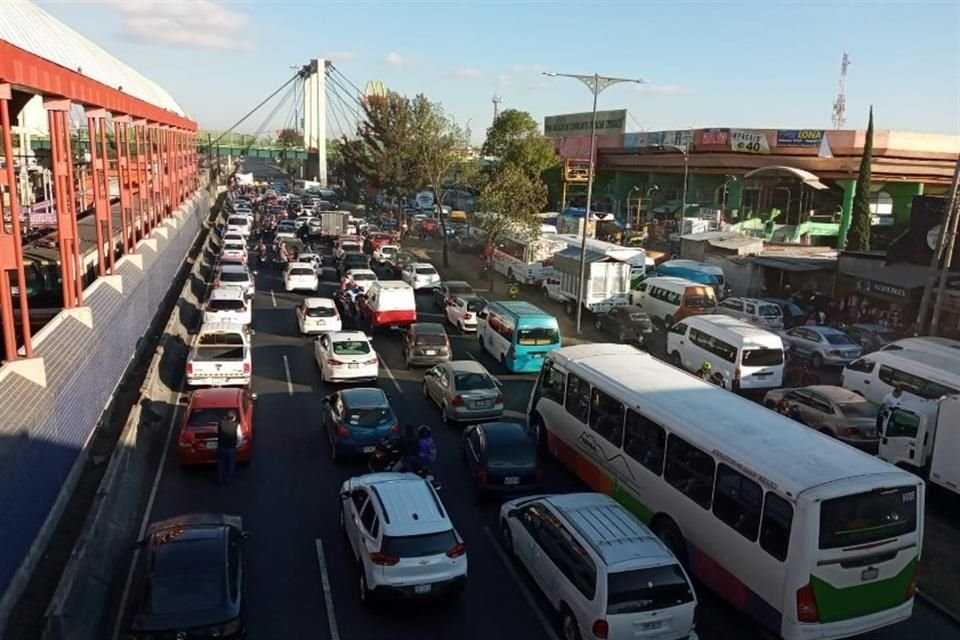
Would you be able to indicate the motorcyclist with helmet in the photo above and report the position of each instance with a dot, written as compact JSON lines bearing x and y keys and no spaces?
{"x":704,"y":371}
{"x":417,"y":454}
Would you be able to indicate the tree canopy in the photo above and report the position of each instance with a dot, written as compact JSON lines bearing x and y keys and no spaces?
{"x":515,"y":138}
{"x":858,"y":237}
{"x":510,"y":201}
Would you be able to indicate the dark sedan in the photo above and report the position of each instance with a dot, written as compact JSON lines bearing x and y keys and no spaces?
{"x":502,"y":458}
{"x":352,"y":261}
{"x":629,"y":323}
{"x":191,"y":578}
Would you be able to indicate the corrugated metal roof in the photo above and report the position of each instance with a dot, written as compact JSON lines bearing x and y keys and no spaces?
{"x":28,"y":27}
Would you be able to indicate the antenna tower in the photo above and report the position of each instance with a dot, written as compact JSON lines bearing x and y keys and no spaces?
{"x":496,"y":100}
{"x":840,"y":104}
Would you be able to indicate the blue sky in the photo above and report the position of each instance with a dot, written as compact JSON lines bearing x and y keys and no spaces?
{"x":736,"y":64}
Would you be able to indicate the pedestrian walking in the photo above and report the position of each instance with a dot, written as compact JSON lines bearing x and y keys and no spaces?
{"x":227,"y":435}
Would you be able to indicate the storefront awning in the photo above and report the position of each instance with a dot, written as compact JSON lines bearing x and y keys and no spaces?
{"x":793,"y":264}
{"x":901,"y":282}
{"x":806,"y":177}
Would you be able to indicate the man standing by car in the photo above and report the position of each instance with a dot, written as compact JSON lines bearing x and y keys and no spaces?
{"x":227,"y":436}
{"x":888,"y":404}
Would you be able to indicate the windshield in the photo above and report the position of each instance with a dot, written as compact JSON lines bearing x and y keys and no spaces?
{"x":302,"y":271}
{"x":700,"y":299}
{"x":770,"y":310}
{"x":234,"y":277}
{"x":639,"y":317}
{"x":868,"y":517}
{"x":238,"y":222}
{"x":370,"y":417}
{"x":537,"y":336}
{"x":839,"y":338}
{"x":351,"y":348}
{"x":857,"y":409}
{"x":476,"y":305}
{"x":762,"y":357}
{"x":350,"y":246}
{"x":388,"y":251}
{"x":455,"y":289}
{"x":361,"y":277}
{"x":431,"y":544}
{"x":232,"y":246}
{"x":647,"y":590}
{"x":473,"y":382}
{"x":431,"y":339}
{"x":426,"y":271}
{"x":320,"y":312}
{"x":511,"y":455}
{"x":222,"y":304}
{"x":206,"y":417}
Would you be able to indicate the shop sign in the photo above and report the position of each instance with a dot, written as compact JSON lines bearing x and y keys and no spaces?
{"x":871,"y":286}
{"x":642,"y":139}
{"x":716,"y":137}
{"x":609,"y":123}
{"x":748,"y":141}
{"x":799,"y":137}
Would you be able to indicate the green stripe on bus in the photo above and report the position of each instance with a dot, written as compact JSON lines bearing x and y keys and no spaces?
{"x":836,"y":604}
{"x":632,"y":505}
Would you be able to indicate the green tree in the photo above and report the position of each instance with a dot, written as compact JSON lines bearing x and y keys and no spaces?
{"x":288,"y":138}
{"x":858,"y":237}
{"x":509,"y":203}
{"x":515,"y":138}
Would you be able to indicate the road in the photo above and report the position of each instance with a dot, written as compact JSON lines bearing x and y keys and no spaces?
{"x":288,"y":499}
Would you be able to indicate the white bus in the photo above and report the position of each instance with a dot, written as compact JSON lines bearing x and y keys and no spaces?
{"x":925,"y":375}
{"x":527,"y":259}
{"x":810,"y":537}
{"x":636,"y":257}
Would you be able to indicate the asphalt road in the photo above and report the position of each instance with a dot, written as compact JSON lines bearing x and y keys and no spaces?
{"x":288,"y":499}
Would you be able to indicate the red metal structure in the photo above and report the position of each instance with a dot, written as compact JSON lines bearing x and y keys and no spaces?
{"x":155,"y":167}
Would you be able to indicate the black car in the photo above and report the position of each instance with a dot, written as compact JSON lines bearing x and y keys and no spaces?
{"x":190,"y":579}
{"x":501,"y":458}
{"x":629,"y":323}
{"x":352,"y":260}
{"x":467,"y":244}
{"x":793,"y":315}
{"x":449,"y":289}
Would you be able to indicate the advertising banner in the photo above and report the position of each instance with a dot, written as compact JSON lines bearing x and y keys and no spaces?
{"x":643,"y":139}
{"x":800,"y":137}
{"x":713,"y":137}
{"x":749,"y":141}
{"x":609,"y":123}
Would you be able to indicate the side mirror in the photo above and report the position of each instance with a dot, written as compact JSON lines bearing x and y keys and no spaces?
{"x":252,"y":332}
{"x":482,"y":315}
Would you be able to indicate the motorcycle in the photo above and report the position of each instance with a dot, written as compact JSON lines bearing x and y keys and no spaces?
{"x":388,"y":452}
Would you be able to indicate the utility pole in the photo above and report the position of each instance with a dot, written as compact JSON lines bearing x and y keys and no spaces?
{"x":950,"y":216}
{"x":950,"y":228}
{"x":597,"y":84}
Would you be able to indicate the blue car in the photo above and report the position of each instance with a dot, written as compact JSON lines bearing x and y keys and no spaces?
{"x":357,"y":419}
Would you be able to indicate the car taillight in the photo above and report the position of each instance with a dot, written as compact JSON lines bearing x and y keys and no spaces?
{"x":189,"y":368}
{"x":457,"y":401}
{"x":395,"y":428}
{"x":187,"y":437}
{"x":333,"y":362}
{"x":246,"y":368}
{"x":457,"y":550}
{"x":242,"y":310}
{"x":807,"y":605}
{"x":600,"y":629}
{"x":851,"y":431}
{"x":499,"y":398}
{"x":342,"y":431}
{"x":481,"y":476}
{"x":383,"y":559}
{"x":468,"y":316}
{"x":371,"y":361}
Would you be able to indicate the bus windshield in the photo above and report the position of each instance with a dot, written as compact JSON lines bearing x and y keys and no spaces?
{"x":537,"y":336}
{"x":863,"y":518}
{"x":699,"y":299}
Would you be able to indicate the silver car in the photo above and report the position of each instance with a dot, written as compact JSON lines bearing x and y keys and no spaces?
{"x":823,"y":345}
{"x":832,"y":410}
{"x":464,"y":390}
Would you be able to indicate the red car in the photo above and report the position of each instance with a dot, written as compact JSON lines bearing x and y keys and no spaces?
{"x":198,"y":435}
{"x":380,"y":239}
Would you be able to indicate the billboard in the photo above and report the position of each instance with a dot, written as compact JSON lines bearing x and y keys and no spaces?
{"x":682,"y":138}
{"x":749,"y":141}
{"x":800,"y":137}
{"x":609,"y":123}
{"x":713,"y":138}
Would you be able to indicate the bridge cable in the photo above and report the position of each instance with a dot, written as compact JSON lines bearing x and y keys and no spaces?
{"x":254,"y":110}
{"x":338,"y":105}
{"x":267,"y":121}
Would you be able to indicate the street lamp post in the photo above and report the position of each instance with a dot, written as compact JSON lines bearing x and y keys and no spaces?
{"x":597,"y":84}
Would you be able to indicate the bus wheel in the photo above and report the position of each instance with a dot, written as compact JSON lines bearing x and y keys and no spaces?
{"x":536,"y":426}
{"x":668,"y":532}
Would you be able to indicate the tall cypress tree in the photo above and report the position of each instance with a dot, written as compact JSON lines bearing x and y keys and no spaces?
{"x":858,"y":238}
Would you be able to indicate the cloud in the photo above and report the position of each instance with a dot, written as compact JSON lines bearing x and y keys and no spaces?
{"x":394,"y":59}
{"x":339,"y":56}
{"x":199,"y":24}
{"x":466,"y":73}
{"x":663,"y":89}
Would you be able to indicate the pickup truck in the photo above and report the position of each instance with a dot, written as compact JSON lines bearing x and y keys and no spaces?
{"x":220,"y":356}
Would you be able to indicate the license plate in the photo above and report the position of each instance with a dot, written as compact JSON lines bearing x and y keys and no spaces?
{"x":511,"y":480}
{"x":423,"y":588}
{"x":353,"y":365}
{"x":430,"y":352}
{"x":368,"y":449}
{"x":647,"y":626}
{"x":210,"y":444}
{"x":482,"y":404}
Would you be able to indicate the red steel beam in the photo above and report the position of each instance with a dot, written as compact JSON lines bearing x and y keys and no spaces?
{"x":59,"y":159}
{"x":96,"y":121}
{"x":121,"y":134}
{"x":32,"y":73}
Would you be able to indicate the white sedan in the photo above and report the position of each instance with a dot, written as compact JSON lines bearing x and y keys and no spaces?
{"x":318,"y":315}
{"x":462,"y":311}
{"x":346,"y":356}
{"x":420,"y":275}
{"x":385,"y":253}
{"x":361,"y":277}
{"x":301,"y":276}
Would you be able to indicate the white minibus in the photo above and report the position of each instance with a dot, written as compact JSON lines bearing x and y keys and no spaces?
{"x":669,"y":299}
{"x":745,"y":356}
{"x":790,"y":526}
{"x":929,"y":344}
{"x":925,"y":375}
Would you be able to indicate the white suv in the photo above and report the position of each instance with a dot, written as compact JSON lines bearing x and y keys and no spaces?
{"x":420,"y":275}
{"x":300,"y":276}
{"x":606,"y":573}
{"x":402,"y":537}
{"x":228,"y":304}
{"x":761,"y":313}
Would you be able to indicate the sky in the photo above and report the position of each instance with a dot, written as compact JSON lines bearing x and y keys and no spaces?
{"x":761,"y":64}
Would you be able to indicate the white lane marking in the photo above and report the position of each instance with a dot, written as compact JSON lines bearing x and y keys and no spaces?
{"x":547,"y":627}
{"x":286,"y":368}
{"x":147,"y":511}
{"x":327,"y":591}
{"x":273,"y":298}
{"x":383,"y":363}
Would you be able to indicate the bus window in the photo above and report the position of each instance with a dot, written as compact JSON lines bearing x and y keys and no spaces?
{"x":920,"y":387}
{"x":868,"y":517}
{"x":578,"y":398}
{"x":606,"y":417}
{"x":737,"y":501}
{"x":537,"y":336}
{"x":645,"y":441}
{"x":690,"y":471}
{"x":552,"y":383}
{"x":775,"y":526}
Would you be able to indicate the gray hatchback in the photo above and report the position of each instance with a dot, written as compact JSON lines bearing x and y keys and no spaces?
{"x":464,"y":390}
{"x":426,"y":344}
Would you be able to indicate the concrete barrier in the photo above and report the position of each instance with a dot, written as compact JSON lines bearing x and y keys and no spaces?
{"x":52,"y":405}
{"x":76,"y":611}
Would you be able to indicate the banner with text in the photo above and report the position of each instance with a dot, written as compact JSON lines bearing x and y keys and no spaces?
{"x":713,"y":138}
{"x":682,"y":138}
{"x":800,"y":137}
{"x":749,"y":141}
{"x":609,"y":123}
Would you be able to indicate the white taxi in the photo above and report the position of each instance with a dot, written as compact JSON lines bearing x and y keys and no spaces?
{"x":318,"y":315}
{"x":346,"y":356}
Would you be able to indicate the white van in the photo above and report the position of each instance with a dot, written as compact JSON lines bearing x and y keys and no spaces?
{"x":928,"y":344}
{"x":927,"y":376}
{"x":220,"y":356}
{"x":670,"y":299}
{"x":388,"y":303}
{"x":746,"y":356}
{"x":607,"y":574}
{"x":240,"y":224}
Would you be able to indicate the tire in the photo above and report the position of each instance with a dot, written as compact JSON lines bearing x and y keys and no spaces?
{"x":461,"y":329}
{"x":770,"y":404}
{"x":668,"y":532}
{"x":598,"y":324}
{"x":536,"y":425}
{"x":667,"y":322}
{"x":569,"y":629}
{"x":425,"y":393}
{"x":621,"y":337}
{"x":506,"y":538}
{"x":817,"y":361}
{"x":676,"y":360}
